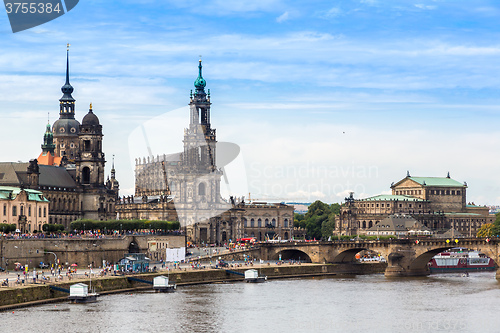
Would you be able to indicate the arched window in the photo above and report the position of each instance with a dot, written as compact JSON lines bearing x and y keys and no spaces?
{"x":201,"y":189}
{"x":273,"y":222}
{"x":86,"y":175}
{"x":252,"y":223}
{"x":44,"y":211}
{"x":364,"y":224}
{"x":245,"y":222}
{"x":259,"y":223}
{"x":285,"y":224}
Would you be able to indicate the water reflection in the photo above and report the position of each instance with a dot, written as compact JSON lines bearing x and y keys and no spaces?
{"x":371,"y":303}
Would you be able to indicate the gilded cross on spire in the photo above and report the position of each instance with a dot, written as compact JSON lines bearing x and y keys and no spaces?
{"x":67,"y":46}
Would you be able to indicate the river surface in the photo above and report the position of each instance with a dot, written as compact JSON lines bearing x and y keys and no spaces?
{"x":369,"y":303}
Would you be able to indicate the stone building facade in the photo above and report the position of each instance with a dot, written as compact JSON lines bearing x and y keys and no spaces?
{"x":186,"y":187}
{"x":439,"y":203}
{"x":27,"y":209}
{"x":70,"y":169}
{"x":267,"y":221}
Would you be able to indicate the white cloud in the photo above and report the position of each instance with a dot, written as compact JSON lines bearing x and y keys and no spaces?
{"x":422,"y":6}
{"x":283,"y":17}
{"x":333,"y":12}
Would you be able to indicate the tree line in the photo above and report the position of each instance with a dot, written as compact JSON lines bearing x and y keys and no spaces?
{"x":319,"y":221}
{"x":490,"y":229}
{"x":124,"y":225}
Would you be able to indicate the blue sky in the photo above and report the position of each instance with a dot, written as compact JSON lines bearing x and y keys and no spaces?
{"x":323,"y":97}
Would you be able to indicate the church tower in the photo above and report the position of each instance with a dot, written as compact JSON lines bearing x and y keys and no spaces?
{"x":113,"y":184}
{"x":199,"y":138}
{"x":66,"y":128}
{"x":198,"y":176}
{"x":90,"y":160}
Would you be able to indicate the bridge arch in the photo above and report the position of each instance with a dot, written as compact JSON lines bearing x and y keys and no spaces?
{"x":349,"y":255}
{"x":421,"y":262}
{"x":292,"y":254}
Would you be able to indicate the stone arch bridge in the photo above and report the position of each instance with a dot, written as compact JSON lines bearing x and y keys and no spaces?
{"x":405,"y":257}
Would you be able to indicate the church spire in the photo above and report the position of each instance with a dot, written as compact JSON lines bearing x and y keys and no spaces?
{"x":200,"y":82}
{"x":113,"y":171}
{"x":67,"y":102}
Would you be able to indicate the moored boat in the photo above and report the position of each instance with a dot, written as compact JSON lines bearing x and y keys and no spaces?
{"x":458,"y":260}
{"x":160,"y":284}
{"x":79,"y":293}
{"x":252,"y":275}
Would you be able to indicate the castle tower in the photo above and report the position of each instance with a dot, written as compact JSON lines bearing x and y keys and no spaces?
{"x":47,"y":156}
{"x":66,"y":128}
{"x":90,"y":161}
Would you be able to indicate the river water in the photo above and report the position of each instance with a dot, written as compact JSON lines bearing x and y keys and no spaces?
{"x":368,"y":303}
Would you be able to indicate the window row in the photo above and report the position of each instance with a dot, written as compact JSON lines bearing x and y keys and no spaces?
{"x":445,"y":192}
{"x":266,"y":223}
{"x":23,"y":212}
{"x":409,"y":192}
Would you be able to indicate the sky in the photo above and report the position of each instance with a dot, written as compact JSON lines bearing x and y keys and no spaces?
{"x":322,"y":97}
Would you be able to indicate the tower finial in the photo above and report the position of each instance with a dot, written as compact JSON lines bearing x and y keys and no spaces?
{"x":67,"y":89}
{"x":200,"y":82}
{"x":113,"y":172}
{"x":90,"y":109}
{"x":67,"y":63}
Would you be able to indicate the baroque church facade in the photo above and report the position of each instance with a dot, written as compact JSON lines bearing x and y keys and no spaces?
{"x":186,"y":187}
{"x":70,"y":169}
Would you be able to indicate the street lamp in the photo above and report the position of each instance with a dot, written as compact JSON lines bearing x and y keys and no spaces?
{"x":378,"y":232}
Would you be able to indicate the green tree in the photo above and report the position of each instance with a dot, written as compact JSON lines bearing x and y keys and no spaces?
{"x":495,"y":231}
{"x":124,"y":225}
{"x":327,"y":227}
{"x":335,"y":208}
{"x":486,"y":230}
{"x":319,"y":221}
{"x":53,"y":227}
{"x":297,"y":220}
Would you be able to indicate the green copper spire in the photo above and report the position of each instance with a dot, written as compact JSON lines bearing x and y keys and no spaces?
{"x":200,"y":82}
{"x":48,"y":141}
